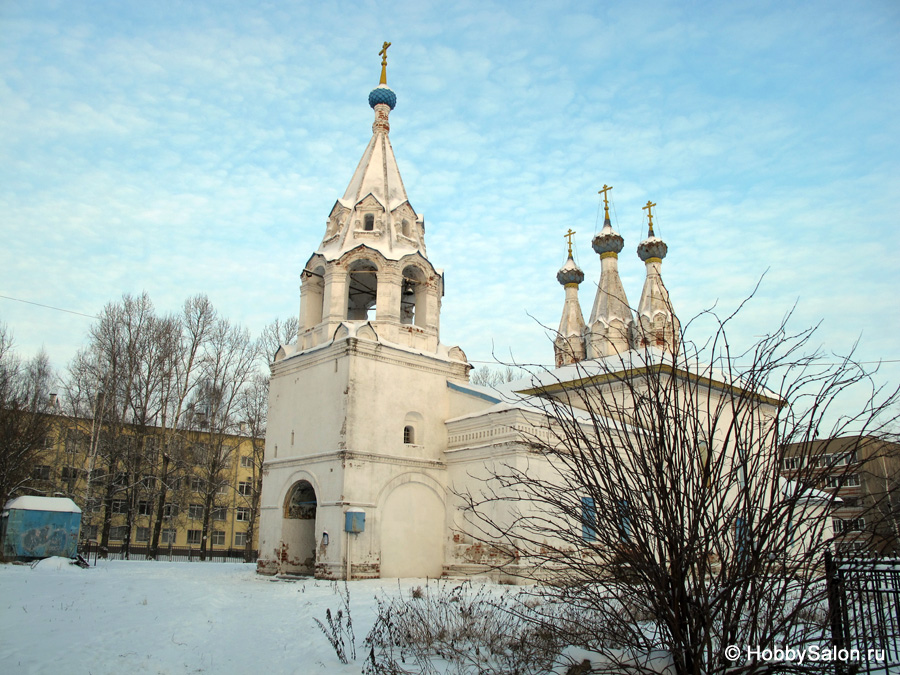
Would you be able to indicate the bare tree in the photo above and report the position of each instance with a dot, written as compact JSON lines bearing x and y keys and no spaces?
{"x":185,"y":338}
{"x":226,"y":370}
{"x":25,"y":422}
{"x":648,"y":492}
{"x":486,"y":376}
{"x":279,"y":332}
{"x":254,"y":405}
{"x":120,"y":389}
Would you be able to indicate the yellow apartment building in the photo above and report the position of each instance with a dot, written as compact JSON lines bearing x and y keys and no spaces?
{"x":153,"y":472}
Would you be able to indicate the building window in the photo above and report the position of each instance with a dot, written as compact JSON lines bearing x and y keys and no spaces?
{"x":118,"y":532}
{"x":848,"y":525}
{"x":847,"y":458}
{"x":70,"y":473}
{"x":89,"y":532}
{"x":850,"y":548}
{"x":246,"y":462}
{"x":170,"y":510}
{"x":148,"y":481}
{"x":41,"y":472}
{"x":220,"y":513}
{"x":74,"y":441}
{"x":848,"y":480}
{"x":245,"y":488}
{"x":242,"y":513}
{"x":196,"y":485}
{"x":790,"y":463}
{"x":151,"y":448}
{"x":168,"y":536}
{"x":143,"y":534}
{"x":240,"y":538}
{"x":409,"y":435}
{"x":120,"y":480}
{"x":369,"y":222}
{"x":194,"y":536}
{"x":143,"y":508}
{"x":119,"y":506}
{"x":588,"y":519}
{"x":218,"y":538}
{"x":195,"y":511}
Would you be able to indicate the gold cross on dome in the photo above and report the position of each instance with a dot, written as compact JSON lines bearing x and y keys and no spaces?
{"x":649,"y":211}
{"x":568,"y":235}
{"x":383,"y":55}
{"x":606,"y":188}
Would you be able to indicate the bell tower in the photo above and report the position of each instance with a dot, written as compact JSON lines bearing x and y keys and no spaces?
{"x":357,"y":406}
{"x":372,"y":265}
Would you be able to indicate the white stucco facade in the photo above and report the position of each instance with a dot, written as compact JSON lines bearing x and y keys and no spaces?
{"x":370,"y":413}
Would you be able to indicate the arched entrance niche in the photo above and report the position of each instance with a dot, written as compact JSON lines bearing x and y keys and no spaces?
{"x":298,"y":530}
{"x":412,"y":529}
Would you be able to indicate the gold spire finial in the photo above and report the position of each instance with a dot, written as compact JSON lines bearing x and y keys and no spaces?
{"x":606,"y":188}
{"x":648,"y":208}
{"x":383,"y":55}
{"x":568,"y":235}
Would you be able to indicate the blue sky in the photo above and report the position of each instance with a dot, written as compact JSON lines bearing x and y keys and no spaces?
{"x":178,"y":148}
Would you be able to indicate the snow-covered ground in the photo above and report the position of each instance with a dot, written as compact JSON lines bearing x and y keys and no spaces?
{"x":161,"y":617}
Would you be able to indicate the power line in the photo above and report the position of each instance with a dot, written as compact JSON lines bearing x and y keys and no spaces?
{"x":58,"y":309}
{"x":94,"y":316}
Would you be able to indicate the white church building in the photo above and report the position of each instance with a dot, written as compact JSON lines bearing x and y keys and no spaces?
{"x":373,"y":426}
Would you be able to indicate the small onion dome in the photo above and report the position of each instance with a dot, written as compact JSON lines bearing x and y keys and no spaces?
{"x":608,"y":241}
{"x":382,"y":94}
{"x":652,"y":247}
{"x":570,"y":273}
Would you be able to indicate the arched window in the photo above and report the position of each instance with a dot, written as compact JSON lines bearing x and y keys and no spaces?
{"x":362,"y":290}
{"x":369,"y":222}
{"x":412,"y":429}
{"x":405,"y":228}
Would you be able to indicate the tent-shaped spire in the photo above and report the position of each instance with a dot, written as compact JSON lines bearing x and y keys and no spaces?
{"x":657,"y":324}
{"x":612,"y":323}
{"x":375,"y":210}
{"x":569,"y":343}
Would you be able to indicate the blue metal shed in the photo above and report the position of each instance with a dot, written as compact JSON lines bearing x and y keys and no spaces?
{"x":39,"y":527}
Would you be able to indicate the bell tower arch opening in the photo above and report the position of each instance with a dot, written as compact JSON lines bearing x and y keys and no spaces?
{"x":313,"y":297}
{"x":413,"y":296}
{"x":362,"y":290}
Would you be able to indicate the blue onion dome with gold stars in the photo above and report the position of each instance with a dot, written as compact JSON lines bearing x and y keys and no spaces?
{"x":383,"y":94}
{"x":570,"y":273}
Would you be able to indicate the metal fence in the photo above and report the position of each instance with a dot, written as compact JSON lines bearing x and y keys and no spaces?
{"x":92,"y":551}
{"x":864,"y":604}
